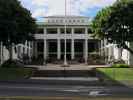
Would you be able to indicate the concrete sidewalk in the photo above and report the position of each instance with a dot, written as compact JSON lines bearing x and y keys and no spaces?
{"x":88,"y":79}
{"x":71,"y":67}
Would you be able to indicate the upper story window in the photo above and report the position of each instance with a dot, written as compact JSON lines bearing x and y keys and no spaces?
{"x":68,"y":31}
{"x":79,"y":30}
{"x":78,"y":21}
{"x":74,"y":21}
{"x":51,"y":30}
{"x":56,"y":21}
{"x":40,"y":31}
{"x":70,"y":21}
{"x":61,"y":21}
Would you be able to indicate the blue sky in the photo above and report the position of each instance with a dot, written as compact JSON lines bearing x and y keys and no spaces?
{"x":42,"y":8}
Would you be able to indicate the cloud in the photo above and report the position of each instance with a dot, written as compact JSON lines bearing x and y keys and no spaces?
{"x":74,"y":7}
{"x":39,"y":12}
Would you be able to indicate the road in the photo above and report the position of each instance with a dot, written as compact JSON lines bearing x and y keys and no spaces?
{"x":34,"y":89}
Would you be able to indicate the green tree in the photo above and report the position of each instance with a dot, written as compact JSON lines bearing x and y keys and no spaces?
{"x":16,"y":23}
{"x":115,"y":23}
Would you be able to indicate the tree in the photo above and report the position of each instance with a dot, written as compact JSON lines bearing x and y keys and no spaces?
{"x":115,"y":23}
{"x":16,"y":23}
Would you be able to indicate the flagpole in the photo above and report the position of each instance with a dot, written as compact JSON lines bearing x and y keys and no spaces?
{"x":65,"y":41}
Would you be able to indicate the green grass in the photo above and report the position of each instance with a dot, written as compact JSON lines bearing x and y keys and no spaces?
{"x":14,"y":73}
{"x":117,"y":73}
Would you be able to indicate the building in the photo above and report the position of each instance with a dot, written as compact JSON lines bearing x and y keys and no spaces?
{"x":113,"y":53}
{"x":51,"y":35}
{"x":50,"y":38}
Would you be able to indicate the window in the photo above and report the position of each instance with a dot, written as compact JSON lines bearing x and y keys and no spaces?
{"x":56,"y":21}
{"x":78,"y":21}
{"x":40,"y":31}
{"x":68,"y":30}
{"x":79,"y":30}
{"x":61,"y":21}
{"x":52,"y":31}
{"x":62,"y":30}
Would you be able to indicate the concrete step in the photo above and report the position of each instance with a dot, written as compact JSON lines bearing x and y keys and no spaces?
{"x":64,"y":73}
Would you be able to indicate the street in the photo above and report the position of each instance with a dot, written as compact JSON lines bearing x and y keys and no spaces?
{"x":37,"y":89}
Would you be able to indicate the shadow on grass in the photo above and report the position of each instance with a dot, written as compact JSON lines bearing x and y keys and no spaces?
{"x":107,"y":80}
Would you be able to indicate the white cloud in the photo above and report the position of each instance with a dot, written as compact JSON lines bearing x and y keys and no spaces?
{"x":74,"y":7}
{"x":39,"y":13}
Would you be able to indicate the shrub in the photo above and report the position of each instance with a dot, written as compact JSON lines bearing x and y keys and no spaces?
{"x":12,"y":64}
{"x":15,"y":73}
{"x":119,"y":61}
{"x":120,"y":66}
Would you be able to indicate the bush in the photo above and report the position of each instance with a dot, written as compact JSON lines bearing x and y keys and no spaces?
{"x":120,"y":66}
{"x":15,"y":73}
{"x":119,"y":61}
{"x":12,"y":64}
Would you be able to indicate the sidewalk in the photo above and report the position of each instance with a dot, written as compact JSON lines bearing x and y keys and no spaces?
{"x":71,"y":67}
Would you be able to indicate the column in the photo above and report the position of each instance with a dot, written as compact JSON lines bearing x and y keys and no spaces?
{"x":72,"y":45}
{"x":72,"y":50}
{"x":86,"y":46}
{"x":13,"y":52}
{"x":45,"y":50}
{"x":86,"y":30}
{"x":45,"y":46}
{"x":32,"y":49}
{"x":26,"y":47}
{"x":119,"y":53}
{"x":58,"y":44}
{"x":29,"y":50}
{"x":58,"y":49}
{"x":86,"y":51}
{"x":36,"y":53}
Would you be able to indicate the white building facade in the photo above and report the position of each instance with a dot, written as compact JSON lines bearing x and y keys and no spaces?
{"x":113,"y":53}
{"x":54,"y":30}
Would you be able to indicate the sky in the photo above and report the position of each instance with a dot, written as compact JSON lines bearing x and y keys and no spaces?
{"x":42,"y":8}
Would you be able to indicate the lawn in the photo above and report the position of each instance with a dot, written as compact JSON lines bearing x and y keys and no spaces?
{"x":15,"y":73}
{"x":117,"y":73}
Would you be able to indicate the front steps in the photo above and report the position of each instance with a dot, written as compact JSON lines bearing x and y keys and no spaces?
{"x":65,"y":73}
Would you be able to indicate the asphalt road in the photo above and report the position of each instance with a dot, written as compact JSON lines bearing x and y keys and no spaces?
{"x":34,"y":89}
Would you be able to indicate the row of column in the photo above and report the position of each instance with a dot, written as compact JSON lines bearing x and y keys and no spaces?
{"x":85,"y":54}
{"x":72,"y":45}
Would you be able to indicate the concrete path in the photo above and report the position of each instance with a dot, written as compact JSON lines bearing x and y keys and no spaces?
{"x":71,"y":67}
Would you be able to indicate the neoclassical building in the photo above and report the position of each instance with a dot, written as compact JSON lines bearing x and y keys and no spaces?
{"x":52,"y":33}
{"x":50,"y":39}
